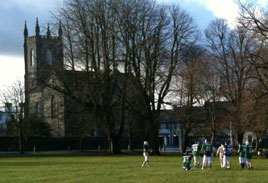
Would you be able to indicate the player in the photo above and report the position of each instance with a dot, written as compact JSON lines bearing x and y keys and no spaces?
{"x":186,"y":162}
{"x":220,"y":153}
{"x":242,"y":151}
{"x":228,"y":149}
{"x":208,"y":153}
{"x":146,"y":151}
{"x":196,"y":150}
{"x":248,"y":155}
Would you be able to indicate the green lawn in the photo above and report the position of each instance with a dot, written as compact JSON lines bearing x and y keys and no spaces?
{"x":109,"y":169}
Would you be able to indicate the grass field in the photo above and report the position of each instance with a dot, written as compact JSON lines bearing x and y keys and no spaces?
{"x":58,"y":168}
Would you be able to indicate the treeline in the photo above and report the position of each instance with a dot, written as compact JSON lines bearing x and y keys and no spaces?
{"x":137,"y":56}
{"x":164,"y":59}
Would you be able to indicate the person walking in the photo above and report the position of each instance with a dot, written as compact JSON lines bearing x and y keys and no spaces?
{"x":146,"y":152}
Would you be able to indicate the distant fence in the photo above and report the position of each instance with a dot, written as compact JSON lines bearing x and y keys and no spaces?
{"x":49,"y":144}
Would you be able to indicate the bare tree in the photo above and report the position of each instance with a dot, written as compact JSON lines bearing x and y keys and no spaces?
{"x":93,"y":56}
{"x":189,"y":72}
{"x":209,"y":94}
{"x":153,"y":42}
{"x":255,"y":114}
{"x":141,"y":39}
{"x":231,"y":50}
{"x":254,"y":19}
{"x":22,"y":126}
{"x":14,"y":95}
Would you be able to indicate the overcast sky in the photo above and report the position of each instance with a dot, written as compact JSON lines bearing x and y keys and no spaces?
{"x":13,"y":13}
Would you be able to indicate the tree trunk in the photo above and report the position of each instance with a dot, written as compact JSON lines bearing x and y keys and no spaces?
{"x":114,"y":145}
{"x":257,"y":143}
{"x":21,"y":146}
{"x":183,"y":143}
{"x":129,"y":135}
{"x":213,"y":137}
{"x":231,"y":133}
{"x":240,"y":136}
{"x":81,"y":144}
{"x":129,"y":141}
{"x":152,"y":133}
{"x":155,"y":142}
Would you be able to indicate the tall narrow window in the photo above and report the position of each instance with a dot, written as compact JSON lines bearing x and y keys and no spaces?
{"x":49,"y":57}
{"x":37,"y":110}
{"x":32,"y":57}
{"x":52,"y":107}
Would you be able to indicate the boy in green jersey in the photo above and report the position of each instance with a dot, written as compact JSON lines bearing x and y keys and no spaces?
{"x":242,"y":151}
{"x":208,"y":152}
{"x":248,"y":155}
{"x":195,"y":150}
{"x":186,"y":162}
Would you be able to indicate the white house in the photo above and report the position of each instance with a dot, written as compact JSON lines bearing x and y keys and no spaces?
{"x":169,"y":131}
{"x":6,"y":115}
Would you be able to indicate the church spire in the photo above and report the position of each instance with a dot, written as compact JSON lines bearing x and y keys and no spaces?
{"x":37,"y":28}
{"x":48,"y":31}
{"x":25,"y":30}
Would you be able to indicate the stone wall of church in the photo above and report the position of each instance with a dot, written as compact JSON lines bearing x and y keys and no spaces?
{"x":35,"y":104}
{"x":49,"y":105}
{"x":32,"y":62}
{"x":54,"y":111}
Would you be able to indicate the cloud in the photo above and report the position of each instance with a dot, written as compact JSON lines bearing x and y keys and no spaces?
{"x":11,"y":70}
{"x":196,"y":8}
{"x":13,"y":15}
{"x":226,"y":9}
{"x":40,"y":4}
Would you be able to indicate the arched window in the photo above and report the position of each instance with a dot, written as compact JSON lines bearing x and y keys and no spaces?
{"x":38,"y":111}
{"x":49,"y":57}
{"x":32,"y":57}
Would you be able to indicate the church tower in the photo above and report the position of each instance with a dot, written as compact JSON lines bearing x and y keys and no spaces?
{"x":43,"y":54}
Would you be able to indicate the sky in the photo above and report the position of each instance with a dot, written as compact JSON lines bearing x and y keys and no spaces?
{"x":13,"y":14}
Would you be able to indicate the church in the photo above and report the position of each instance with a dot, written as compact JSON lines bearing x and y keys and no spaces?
{"x":45,"y":69}
{"x":41,"y":54}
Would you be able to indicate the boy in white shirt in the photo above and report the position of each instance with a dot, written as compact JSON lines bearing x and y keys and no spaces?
{"x":146,"y":151}
{"x":220,"y":153}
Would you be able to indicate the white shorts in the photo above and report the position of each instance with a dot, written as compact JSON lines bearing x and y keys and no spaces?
{"x":146,"y":156}
{"x":248,"y":160}
{"x":207,"y":159}
{"x":241,"y":160}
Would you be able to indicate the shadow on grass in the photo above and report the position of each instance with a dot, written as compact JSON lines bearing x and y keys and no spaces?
{"x":68,"y":154}
{"x":48,"y":163}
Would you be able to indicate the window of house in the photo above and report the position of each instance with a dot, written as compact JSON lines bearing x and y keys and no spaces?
{"x":32,"y":57}
{"x":163,"y":126}
{"x":167,"y":126}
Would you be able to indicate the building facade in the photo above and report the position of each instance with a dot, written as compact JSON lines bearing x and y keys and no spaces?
{"x":47,"y":81}
{"x":170,"y":131}
{"x":41,"y":55}
{"x":7,"y":114}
